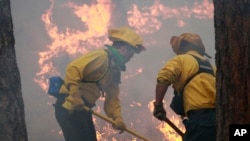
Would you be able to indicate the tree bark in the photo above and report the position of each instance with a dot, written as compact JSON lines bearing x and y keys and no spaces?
{"x":12,"y":118}
{"x":232,"y":44}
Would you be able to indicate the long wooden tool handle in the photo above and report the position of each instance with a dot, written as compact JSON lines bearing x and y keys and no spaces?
{"x":112,"y":122}
{"x":170,"y":123}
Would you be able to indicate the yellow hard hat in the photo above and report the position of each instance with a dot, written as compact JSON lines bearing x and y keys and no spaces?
{"x":192,"y":38}
{"x":128,"y":36}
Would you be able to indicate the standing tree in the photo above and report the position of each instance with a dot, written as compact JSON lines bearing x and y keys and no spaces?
{"x":232,"y":42}
{"x":12,"y":119}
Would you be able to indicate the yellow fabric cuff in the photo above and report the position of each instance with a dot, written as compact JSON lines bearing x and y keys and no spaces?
{"x":68,"y":105}
{"x":73,"y":89}
{"x":163,"y":82}
{"x":64,"y":90}
{"x":72,"y":102}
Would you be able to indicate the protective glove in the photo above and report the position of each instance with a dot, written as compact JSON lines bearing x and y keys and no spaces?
{"x":159,"y":112}
{"x":119,"y":124}
{"x":73,"y":102}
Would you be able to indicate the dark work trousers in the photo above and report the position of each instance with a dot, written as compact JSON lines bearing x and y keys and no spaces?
{"x":200,"y":127}
{"x":77,"y":126}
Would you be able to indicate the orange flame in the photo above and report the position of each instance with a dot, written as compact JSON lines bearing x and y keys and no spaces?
{"x":95,"y":19}
{"x":148,"y":20}
{"x":168,"y":132}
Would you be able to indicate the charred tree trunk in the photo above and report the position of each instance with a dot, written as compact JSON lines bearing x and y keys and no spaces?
{"x":12,"y":119}
{"x":232,"y":42}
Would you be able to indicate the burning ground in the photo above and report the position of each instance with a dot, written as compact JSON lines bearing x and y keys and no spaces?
{"x":49,"y":34}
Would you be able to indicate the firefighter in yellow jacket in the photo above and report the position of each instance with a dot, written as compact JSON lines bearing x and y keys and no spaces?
{"x":95,"y":74}
{"x":196,"y":87}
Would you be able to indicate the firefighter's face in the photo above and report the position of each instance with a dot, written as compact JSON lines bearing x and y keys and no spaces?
{"x":127,"y":52}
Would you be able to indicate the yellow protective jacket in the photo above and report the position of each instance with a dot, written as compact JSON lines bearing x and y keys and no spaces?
{"x":200,"y":92}
{"x":92,"y":67}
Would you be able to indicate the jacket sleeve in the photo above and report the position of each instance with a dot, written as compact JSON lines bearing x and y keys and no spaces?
{"x":112,"y":105}
{"x":170,"y":72}
{"x":81,"y":68}
{"x":72,"y":79}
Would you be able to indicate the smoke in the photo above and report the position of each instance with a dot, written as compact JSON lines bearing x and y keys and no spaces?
{"x":155,"y":20}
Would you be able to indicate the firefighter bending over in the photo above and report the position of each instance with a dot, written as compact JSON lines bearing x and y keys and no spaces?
{"x":90,"y":76}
